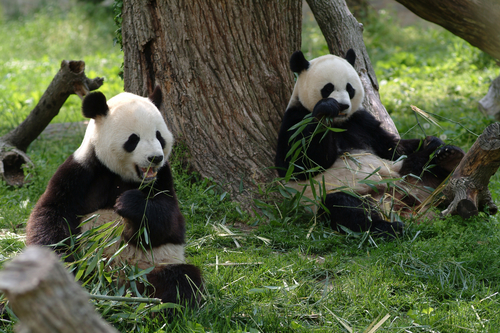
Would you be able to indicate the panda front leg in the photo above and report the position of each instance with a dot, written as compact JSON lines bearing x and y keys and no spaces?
{"x":358,"y":215}
{"x":153,"y":221}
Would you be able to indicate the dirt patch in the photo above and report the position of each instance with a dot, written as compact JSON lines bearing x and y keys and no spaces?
{"x":62,"y":130}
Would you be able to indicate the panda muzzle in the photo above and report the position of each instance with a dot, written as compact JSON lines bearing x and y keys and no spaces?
{"x":148,"y":173}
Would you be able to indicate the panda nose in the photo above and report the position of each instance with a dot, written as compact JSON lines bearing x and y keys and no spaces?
{"x":343,"y":107}
{"x":155,"y":159}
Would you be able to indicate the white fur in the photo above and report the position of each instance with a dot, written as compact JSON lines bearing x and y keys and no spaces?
{"x":166,"y":254}
{"x":128,"y":114}
{"x":349,"y":169}
{"x":323,"y":70}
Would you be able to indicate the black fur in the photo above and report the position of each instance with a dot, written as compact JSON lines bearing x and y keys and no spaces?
{"x":298,"y":62}
{"x":361,"y":132}
{"x":76,"y":190}
{"x":327,"y":90}
{"x":161,"y":139}
{"x":179,"y":283}
{"x":131,"y":143}
{"x":79,"y":188}
{"x":358,"y":215}
{"x":94,"y":104}
{"x":350,"y":90}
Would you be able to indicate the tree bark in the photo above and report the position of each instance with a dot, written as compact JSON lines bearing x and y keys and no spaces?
{"x":222,"y":66}
{"x":46,"y":298}
{"x":70,"y":79}
{"x":467,"y":189}
{"x":342,"y":32}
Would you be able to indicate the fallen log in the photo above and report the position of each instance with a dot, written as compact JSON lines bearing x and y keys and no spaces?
{"x":70,"y":79}
{"x":46,"y":298}
{"x":467,"y":190}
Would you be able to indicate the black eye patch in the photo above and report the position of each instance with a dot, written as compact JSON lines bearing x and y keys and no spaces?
{"x":161,"y":139}
{"x":350,"y":90}
{"x":327,"y":90}
{"x":131,"y":143}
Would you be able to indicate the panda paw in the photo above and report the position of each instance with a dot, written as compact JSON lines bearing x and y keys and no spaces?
{"x":327,"y":107}
{"x":431,"y":143}
{"x":448,"y":157}
{"x":131,"y":204}
{"x":387,"y":230}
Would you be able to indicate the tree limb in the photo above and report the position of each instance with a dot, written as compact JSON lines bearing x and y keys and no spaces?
{"x":70,"y":79}
{"x":467,"y":189}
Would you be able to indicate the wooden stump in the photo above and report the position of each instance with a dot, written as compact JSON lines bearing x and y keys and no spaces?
{"x":467,"y":189}
{"x":45,"y":297}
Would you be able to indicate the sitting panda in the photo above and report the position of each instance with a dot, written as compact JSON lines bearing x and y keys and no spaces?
{"x":121,"y":172}
{"x":353,"y":166}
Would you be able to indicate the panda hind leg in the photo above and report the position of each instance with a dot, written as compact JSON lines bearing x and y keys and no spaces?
{"x":358,"y":215}
{"x":448,"y":157}
{"x":179,"y":283}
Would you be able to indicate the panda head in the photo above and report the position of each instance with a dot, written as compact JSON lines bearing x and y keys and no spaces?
{"x":327,"y":76}
{"x":127,"y":134}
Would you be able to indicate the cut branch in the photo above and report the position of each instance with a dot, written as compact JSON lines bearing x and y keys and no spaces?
{"x":70,"y":79}
{"x":468,"y":186}
{"x":45,"y":297}
{"x":489,"y":105}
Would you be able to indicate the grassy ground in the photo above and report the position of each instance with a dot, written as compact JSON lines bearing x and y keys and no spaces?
{"x":283,"y":271}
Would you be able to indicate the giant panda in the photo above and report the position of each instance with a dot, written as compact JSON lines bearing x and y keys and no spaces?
{"x":349,"y":168}
{"x":120,"y":172}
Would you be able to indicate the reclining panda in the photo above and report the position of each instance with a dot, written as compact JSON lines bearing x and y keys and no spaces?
{"x":353,"y":166}
{"x":120,"y":172}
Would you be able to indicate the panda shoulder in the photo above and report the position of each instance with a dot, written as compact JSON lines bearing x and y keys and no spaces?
{"x":69,"y":175}
{"x":295,"y":112}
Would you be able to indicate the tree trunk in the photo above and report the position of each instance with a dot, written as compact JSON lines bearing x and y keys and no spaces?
{"x":467,"y":189}
{"x":223,"y":68}
{"x":343,"y":32}
{"x":70,"y":79}
{"x":46,"y":298}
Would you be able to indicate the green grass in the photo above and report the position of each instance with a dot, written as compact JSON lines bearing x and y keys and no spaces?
{"x":281,"y":270}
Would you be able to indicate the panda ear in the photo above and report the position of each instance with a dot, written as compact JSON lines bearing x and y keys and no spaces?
{"x":156,"y":97}
{"x":350,"y":56}
{"x":94,"y":104}
{"x":298,"y":62}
